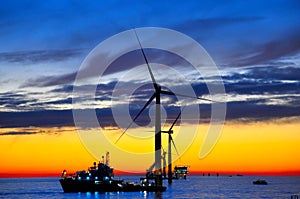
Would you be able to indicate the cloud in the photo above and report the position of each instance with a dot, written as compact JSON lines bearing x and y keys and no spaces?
{"x":14,"y":100}
{"x":261,"y":93}
{"x":46,"y":81}
{"x":249,"y":112}
{"x":252,"y":41}
{"x":62,"y":101}
{"x":36,"y":130}
{"x":101,"y":89}
{"x":242,"y":111}
{"x":123,"y":63}
{"x":267,"y":87}
{"x":45,"y":118}
{"x":263,"y":81}
{"x":17,"y":133}
{"x":66,"y":88}
{"x":249,"y":99}
{"x":29,"y":101}
{"x":289,"y":44}
{"x":39,"y":56}
{"x":270,"y":72}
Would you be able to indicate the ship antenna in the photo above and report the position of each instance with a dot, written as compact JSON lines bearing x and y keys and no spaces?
{"x":107,"y":158}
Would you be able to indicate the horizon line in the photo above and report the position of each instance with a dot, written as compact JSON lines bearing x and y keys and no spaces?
{"x":191,"y":173}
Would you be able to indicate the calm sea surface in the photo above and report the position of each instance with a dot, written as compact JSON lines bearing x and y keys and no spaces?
{"x":193,"y":187}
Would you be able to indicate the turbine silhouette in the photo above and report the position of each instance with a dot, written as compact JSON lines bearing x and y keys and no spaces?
{"x":170,"y":142}
{"x":156,"y":95}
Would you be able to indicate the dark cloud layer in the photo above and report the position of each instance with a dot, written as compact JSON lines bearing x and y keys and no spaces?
{"x":265,"y":88}
{"x":264,"y":80}
{"x":270,"y":72}
{"x":17,"y":133}
{"x":46,"y":118}
{"x":248,"y":112}
{"x":278,"y":87}
{"x":236,"y":111}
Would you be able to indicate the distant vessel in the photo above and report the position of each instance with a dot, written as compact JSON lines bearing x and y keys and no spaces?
{"x":180,"y":172}
{"x":100,"y":178}
{"x":262,"y":182}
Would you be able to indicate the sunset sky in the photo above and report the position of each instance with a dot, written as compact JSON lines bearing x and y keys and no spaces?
{"x":255,"y":45}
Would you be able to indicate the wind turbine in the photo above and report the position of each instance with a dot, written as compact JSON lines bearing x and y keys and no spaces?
{"x":170,"y":142}
{"x":156,"y":96}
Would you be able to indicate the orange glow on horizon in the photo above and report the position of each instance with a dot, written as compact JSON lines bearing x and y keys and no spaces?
{"x":245,"y":148}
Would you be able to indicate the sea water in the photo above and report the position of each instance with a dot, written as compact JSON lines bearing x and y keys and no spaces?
{"x":192,"y":187}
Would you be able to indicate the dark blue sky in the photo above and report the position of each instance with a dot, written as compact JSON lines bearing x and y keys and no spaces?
{"x":256,"y":45}
{"x":218,"y":25}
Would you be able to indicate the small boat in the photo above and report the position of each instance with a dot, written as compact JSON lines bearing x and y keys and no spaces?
{"x":100,"y":178}
{"x":262,"y":182}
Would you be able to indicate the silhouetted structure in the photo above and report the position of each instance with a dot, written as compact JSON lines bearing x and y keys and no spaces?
{"x":260,"y":182}
{"x":180,"y":172}
{"x":100,"y":178}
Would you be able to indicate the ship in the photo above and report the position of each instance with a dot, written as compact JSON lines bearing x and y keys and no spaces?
{"x":100,"y":178}
{"x":260,"y":182}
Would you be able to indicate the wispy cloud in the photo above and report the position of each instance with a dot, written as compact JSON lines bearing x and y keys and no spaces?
{"x":46,"y":81}
{"x":14,"y":100}
{"x":38,"y":56}
{"x":123,"y":63}
{"x":289,"y":44}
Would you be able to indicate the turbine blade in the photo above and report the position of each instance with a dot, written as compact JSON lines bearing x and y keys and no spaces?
{"x":166,"y":92}
{"x":146,"y":60}
{"x":177,"y":94}
{"x":175,"y":121}
{"x":145,"y":106}
{"x":200,"y":98}
{"x":174,"y":146}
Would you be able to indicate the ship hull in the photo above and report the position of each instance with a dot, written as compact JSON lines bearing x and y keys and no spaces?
{"x":70,"y":185}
